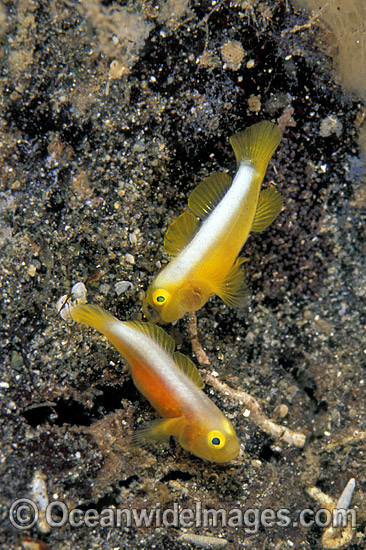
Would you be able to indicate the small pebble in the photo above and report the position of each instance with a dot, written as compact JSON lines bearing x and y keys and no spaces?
{"x":104,"y":288}
{"x":121,"y":286}
{"x":78,"y":292}
{"x":16,"y":361}
{"x":32,"y":270}
{"x":331,"y":125}
{"x":133,"y":237}
{"x":254,"y":103}
{"x":232,"y":54}
{"x":282,"y":410}
{"x":129,"y":258}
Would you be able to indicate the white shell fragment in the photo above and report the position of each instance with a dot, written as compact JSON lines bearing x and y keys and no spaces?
{"x":344,"y":503}
{"x":203,"y":541}
{"x":78,"y":292}
{"x":340,"y":533}
{"x":39,"y":494}
{"x":65,"y":304}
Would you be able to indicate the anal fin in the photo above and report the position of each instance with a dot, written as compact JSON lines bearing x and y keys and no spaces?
{"x":269,"y":205}
{"x":233,"y":290}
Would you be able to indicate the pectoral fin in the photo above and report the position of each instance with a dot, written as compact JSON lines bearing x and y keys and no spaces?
{"x":270,"y":204}
{"x":158,"y":431}
{"x":233,"y":290}
{"x":180,"y":232}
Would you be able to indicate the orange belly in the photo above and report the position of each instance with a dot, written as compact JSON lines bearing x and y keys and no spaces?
{"x":157,"y":391}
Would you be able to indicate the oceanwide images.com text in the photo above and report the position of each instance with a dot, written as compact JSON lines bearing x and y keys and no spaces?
{"x":24,"y":513}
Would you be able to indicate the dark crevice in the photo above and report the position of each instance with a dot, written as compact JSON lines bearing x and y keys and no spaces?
{"x":177,"y":474}
{"x":304,"y":380}
{"x":267,"y":454}
{"x":74,"y":412}
{"x":111,"y":499}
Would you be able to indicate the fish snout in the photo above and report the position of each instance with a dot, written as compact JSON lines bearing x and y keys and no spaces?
{"x":150,"y":313}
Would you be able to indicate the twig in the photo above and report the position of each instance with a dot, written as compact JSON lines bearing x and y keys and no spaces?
{"x":299,"y":28}
{"x":208,"y":15}
{"x":197,"y":348}
{"x":297,"y":439}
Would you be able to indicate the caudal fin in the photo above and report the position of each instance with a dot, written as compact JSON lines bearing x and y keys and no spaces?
{"x":257,"y":144}
{"x":93,"y":316}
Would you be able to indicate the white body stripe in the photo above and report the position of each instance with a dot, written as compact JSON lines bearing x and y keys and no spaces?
{"x":160,"y":362}
{"x":220,"y":220}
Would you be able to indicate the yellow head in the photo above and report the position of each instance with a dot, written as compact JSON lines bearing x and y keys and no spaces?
{"x":165,"y":303}
{"x":157,"y":305}
{"x":214,"y":441}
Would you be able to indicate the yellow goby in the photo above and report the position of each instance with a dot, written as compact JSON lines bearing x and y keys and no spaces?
{"x":206,"y":252}
{"x":172,"y":384}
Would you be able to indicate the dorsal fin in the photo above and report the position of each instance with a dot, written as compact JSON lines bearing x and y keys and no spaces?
{"x":189,"y":368}
{"x":154,"y":332}
{"x":180,"y":232}
{"x":208,"y":194}
{"x":269,"y":205}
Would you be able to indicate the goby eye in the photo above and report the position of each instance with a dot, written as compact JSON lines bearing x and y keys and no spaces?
{"x":216,"y":439}
{"x":160,"y":296}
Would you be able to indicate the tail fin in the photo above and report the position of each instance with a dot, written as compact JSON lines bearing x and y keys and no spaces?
{"x":93,"y":316}
{"x":257,"y":144}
